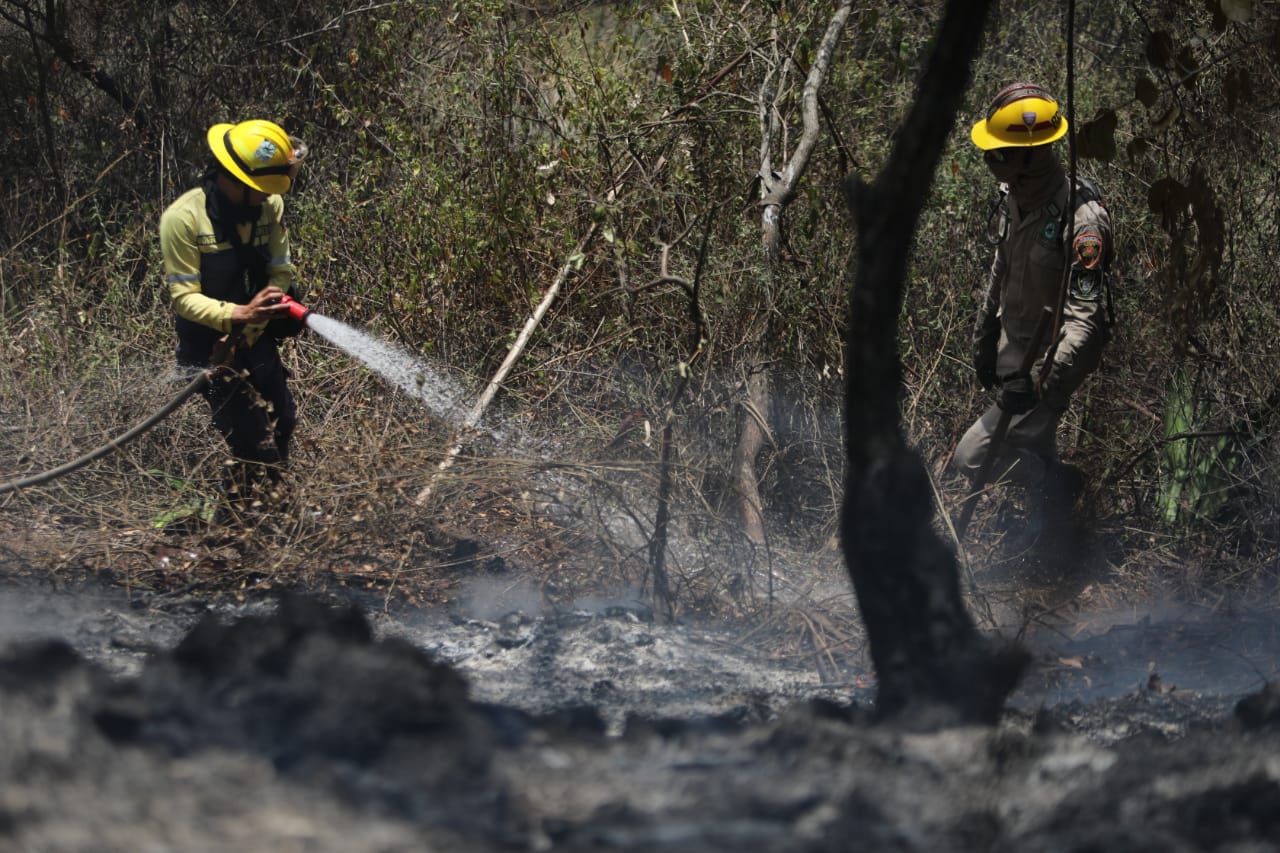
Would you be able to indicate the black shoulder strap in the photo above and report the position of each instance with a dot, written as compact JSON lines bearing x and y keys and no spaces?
{"x":998,"y":216}
{"x":253,"y":259}
{"x":1087,"y":191}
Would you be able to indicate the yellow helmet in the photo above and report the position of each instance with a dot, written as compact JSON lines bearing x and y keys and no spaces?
{"x":1021,"y":115}
{"x":258,"y":153}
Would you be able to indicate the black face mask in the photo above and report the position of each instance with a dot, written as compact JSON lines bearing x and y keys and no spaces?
{"x":1006,"y":164}
{"x":235,"y":212}
{"x":224,"y":209}
{"x":1032,"y":173}
{"x":225,"y":213}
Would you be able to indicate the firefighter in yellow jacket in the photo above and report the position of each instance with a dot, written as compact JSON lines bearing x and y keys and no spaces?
{"x":1038,"y":248}
{"x":227,"y":264}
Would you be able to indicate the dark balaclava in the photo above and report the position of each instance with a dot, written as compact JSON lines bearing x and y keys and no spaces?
{"x":1033,"y":174}
{"x":227,"y":210}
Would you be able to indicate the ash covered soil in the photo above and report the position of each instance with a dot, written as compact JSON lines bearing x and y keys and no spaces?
{"x":166,"y":722}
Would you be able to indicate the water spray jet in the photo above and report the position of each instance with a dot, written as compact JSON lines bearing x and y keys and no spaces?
{"x":403,"y":368}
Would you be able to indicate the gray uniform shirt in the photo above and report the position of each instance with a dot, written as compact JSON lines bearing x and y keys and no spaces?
{"x":1026,"y":276}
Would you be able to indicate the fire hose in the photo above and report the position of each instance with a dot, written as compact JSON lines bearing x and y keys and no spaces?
{"x":116,"y":443}
{"x":221,"y":356}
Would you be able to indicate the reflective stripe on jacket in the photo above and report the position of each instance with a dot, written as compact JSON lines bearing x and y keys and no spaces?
{"x":207,"y":277}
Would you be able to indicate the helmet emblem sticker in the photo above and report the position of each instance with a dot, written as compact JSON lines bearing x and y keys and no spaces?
{"x":265,"y":151}
{"x":1029,"y":118}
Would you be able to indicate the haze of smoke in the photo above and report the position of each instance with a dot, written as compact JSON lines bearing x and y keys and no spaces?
{"x":1172,"y":644}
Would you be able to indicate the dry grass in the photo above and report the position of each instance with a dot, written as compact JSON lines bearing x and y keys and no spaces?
{"x":554,"y":508}
{"x":559,"y":503}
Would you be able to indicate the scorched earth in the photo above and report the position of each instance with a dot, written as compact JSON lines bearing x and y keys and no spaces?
{"x":163,"y":722}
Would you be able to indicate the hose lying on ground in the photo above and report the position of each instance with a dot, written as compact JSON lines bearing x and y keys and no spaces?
{"x":197,"y":384}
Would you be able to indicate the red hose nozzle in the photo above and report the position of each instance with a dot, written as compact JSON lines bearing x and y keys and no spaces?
{"x":297,"y":310}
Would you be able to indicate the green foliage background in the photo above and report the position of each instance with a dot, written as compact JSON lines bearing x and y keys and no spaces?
{"x":462,"y":149}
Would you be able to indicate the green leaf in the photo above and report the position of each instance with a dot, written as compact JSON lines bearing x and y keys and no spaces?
{"x":1167,"y":198}
{"x":1138,"y":146}
{"x":1166,"y":121}
{"x":1237,"y":89}
{"x":1219,"y":20}
{"x":200,"y":510}
{"x":1187,"y":65}
{"x":173,"y":482}
{"x":1097,"y":139}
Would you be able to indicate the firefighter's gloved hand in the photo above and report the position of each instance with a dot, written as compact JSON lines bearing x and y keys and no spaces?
{"x":986,"y":344}
{"x":1050,"y":384}
{"x":1017,"y":394}
{"x":984,"y":362}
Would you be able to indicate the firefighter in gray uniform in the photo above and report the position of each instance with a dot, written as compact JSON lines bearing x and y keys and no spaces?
{"x":1036,"y":244}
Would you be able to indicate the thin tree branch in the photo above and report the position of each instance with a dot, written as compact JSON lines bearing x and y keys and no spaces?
{"x":54,"y":35}
{"x":779,"y":188}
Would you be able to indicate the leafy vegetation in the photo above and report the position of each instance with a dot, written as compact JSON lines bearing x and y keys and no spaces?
{"x":461,"y":151}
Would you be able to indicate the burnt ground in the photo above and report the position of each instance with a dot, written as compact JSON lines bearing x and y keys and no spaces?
{"x":167,"y":719}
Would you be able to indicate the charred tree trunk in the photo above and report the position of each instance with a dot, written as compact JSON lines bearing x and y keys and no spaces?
{"x":932,"y":664}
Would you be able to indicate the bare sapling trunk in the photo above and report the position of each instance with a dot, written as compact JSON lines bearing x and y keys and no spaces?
{"x":481,"y":405}
{"x":777,"y":189}
{"x":751,"y":440}
{"x":663,"y":594}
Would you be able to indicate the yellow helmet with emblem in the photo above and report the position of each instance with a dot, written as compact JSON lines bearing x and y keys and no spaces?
{"x":1021,"y":115}
{"x":258,"y":153}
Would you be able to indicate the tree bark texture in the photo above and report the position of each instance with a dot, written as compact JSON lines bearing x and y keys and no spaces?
{"x":933,"y":666}
{"x":751,"y":439}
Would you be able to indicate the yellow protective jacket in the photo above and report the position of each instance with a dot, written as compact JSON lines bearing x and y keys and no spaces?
{"x":209,"y":268}
{"x":1027,"y":275}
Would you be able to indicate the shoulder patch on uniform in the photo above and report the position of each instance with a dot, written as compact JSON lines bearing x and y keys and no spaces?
{"x":1088,"y":249}
{"x":1086,"y":285}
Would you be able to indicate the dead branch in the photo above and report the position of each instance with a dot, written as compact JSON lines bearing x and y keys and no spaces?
{"x":662,"y":593}
{"x":778,"y":188}
{"x":477,"y":411}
